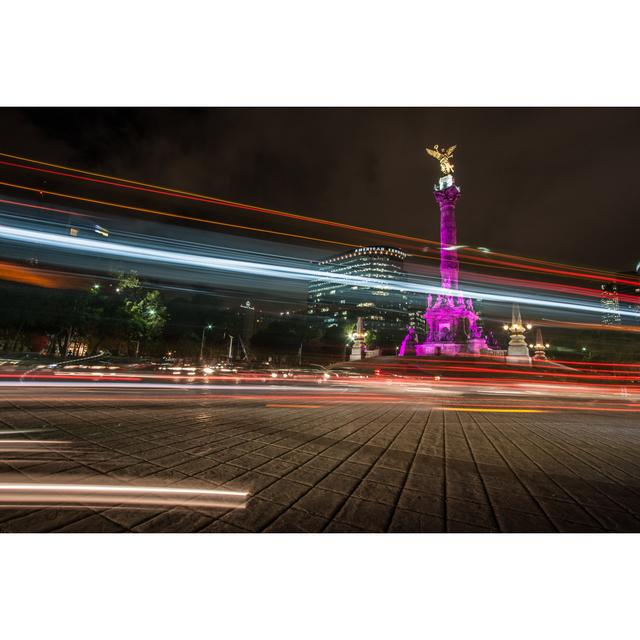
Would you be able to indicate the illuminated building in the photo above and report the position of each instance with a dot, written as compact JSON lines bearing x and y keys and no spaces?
{"x":610,"y":304}
{"x":620,"y":296}
{"x":331,"y":301}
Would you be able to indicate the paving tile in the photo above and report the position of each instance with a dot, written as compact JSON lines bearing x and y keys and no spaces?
{"x":354,"y":469}
{"x":322,"y":462}
{"x":92,"y":524}
{"x":422,"y":503}
{"x":43,"y":520}
{"x":307,"y":475}
{"x":321,"y":502}
{"x":195,"y":465}
{"x":277,"y":468}
{"x":565,"y":510}
{"x":472,"y":513}
{"x":257,"y":514}
{"x":426,"y":484}
{"x":377,"y":492}
{"x":219,"y":526}
{"x":222,"y":473}
{"x":367,"y":454}
{"x":128,"y":518}
{"x":411,"y":522}
{"x":343,"y":527}
{"x":297,"y":521}
{"x":339,"y":483}
{"x":173,"y":521}
{"x":398,"y":460}
{"x":519,"y":522}
{"x":465,"y":527}
{"x":472,"y":490}
{"x":372,"y":516}
{"x":388,"y":476}
{"x":284,"y":491}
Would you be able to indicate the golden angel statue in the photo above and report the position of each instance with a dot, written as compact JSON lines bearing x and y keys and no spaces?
{"x":443,"y":157}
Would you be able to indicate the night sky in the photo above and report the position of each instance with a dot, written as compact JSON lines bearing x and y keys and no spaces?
{"x":559,"y":184}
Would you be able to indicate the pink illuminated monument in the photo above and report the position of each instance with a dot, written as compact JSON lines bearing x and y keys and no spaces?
{"x":452,"y":323}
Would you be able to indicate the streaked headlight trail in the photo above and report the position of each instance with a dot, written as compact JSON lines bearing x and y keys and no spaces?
{"x":148,"y":254}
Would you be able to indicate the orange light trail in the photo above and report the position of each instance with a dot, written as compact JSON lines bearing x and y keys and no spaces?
{"x":39,"y":278}
{"x":489,"y":410}
{"x":180,"y":216}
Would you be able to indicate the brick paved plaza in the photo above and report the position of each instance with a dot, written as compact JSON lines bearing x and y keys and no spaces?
{"x":385,"y":467}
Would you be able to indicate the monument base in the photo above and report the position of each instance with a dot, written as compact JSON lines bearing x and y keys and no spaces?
{"x":518,"y":351}
{"x":440,"y":348}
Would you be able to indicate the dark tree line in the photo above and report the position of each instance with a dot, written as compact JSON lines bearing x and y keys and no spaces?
{"x":121,"y":315}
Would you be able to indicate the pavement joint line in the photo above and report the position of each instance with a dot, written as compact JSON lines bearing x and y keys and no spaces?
{"x":482,"y":480}
{"x":409,"y":466}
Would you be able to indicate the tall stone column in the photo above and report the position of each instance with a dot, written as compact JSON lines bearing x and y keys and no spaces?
{"x":446,"y":196}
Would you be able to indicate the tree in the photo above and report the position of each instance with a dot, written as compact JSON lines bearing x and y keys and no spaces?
{"x":144,"y":314}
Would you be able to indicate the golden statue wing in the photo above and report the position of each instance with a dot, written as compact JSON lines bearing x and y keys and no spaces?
{"x":450,"y":150}
{"x":434,"y":154}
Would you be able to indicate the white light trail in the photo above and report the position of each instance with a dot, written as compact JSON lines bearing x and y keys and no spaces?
{"x":85,"y":245}
{"x":64,"y":494}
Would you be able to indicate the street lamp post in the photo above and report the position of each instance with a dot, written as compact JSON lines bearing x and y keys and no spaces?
{"x":207,"y":326}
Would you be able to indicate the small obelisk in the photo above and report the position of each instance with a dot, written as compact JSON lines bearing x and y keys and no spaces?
{"x":518,"y":351}
{"x":359,"y":349}
{"x":539,"y":347}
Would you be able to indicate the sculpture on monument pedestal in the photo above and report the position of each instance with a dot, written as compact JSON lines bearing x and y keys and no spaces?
{"x":442,"y":156}
{"x":408,"y":346}
{"x":452,"y":322}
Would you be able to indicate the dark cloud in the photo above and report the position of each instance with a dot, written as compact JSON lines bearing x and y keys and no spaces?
{"x":551,"y":183}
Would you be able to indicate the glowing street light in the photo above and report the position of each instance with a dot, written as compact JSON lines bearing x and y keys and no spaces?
{"x":205,"y":328}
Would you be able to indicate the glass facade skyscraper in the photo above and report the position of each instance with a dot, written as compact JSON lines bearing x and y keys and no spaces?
{"x":384,"y":310}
